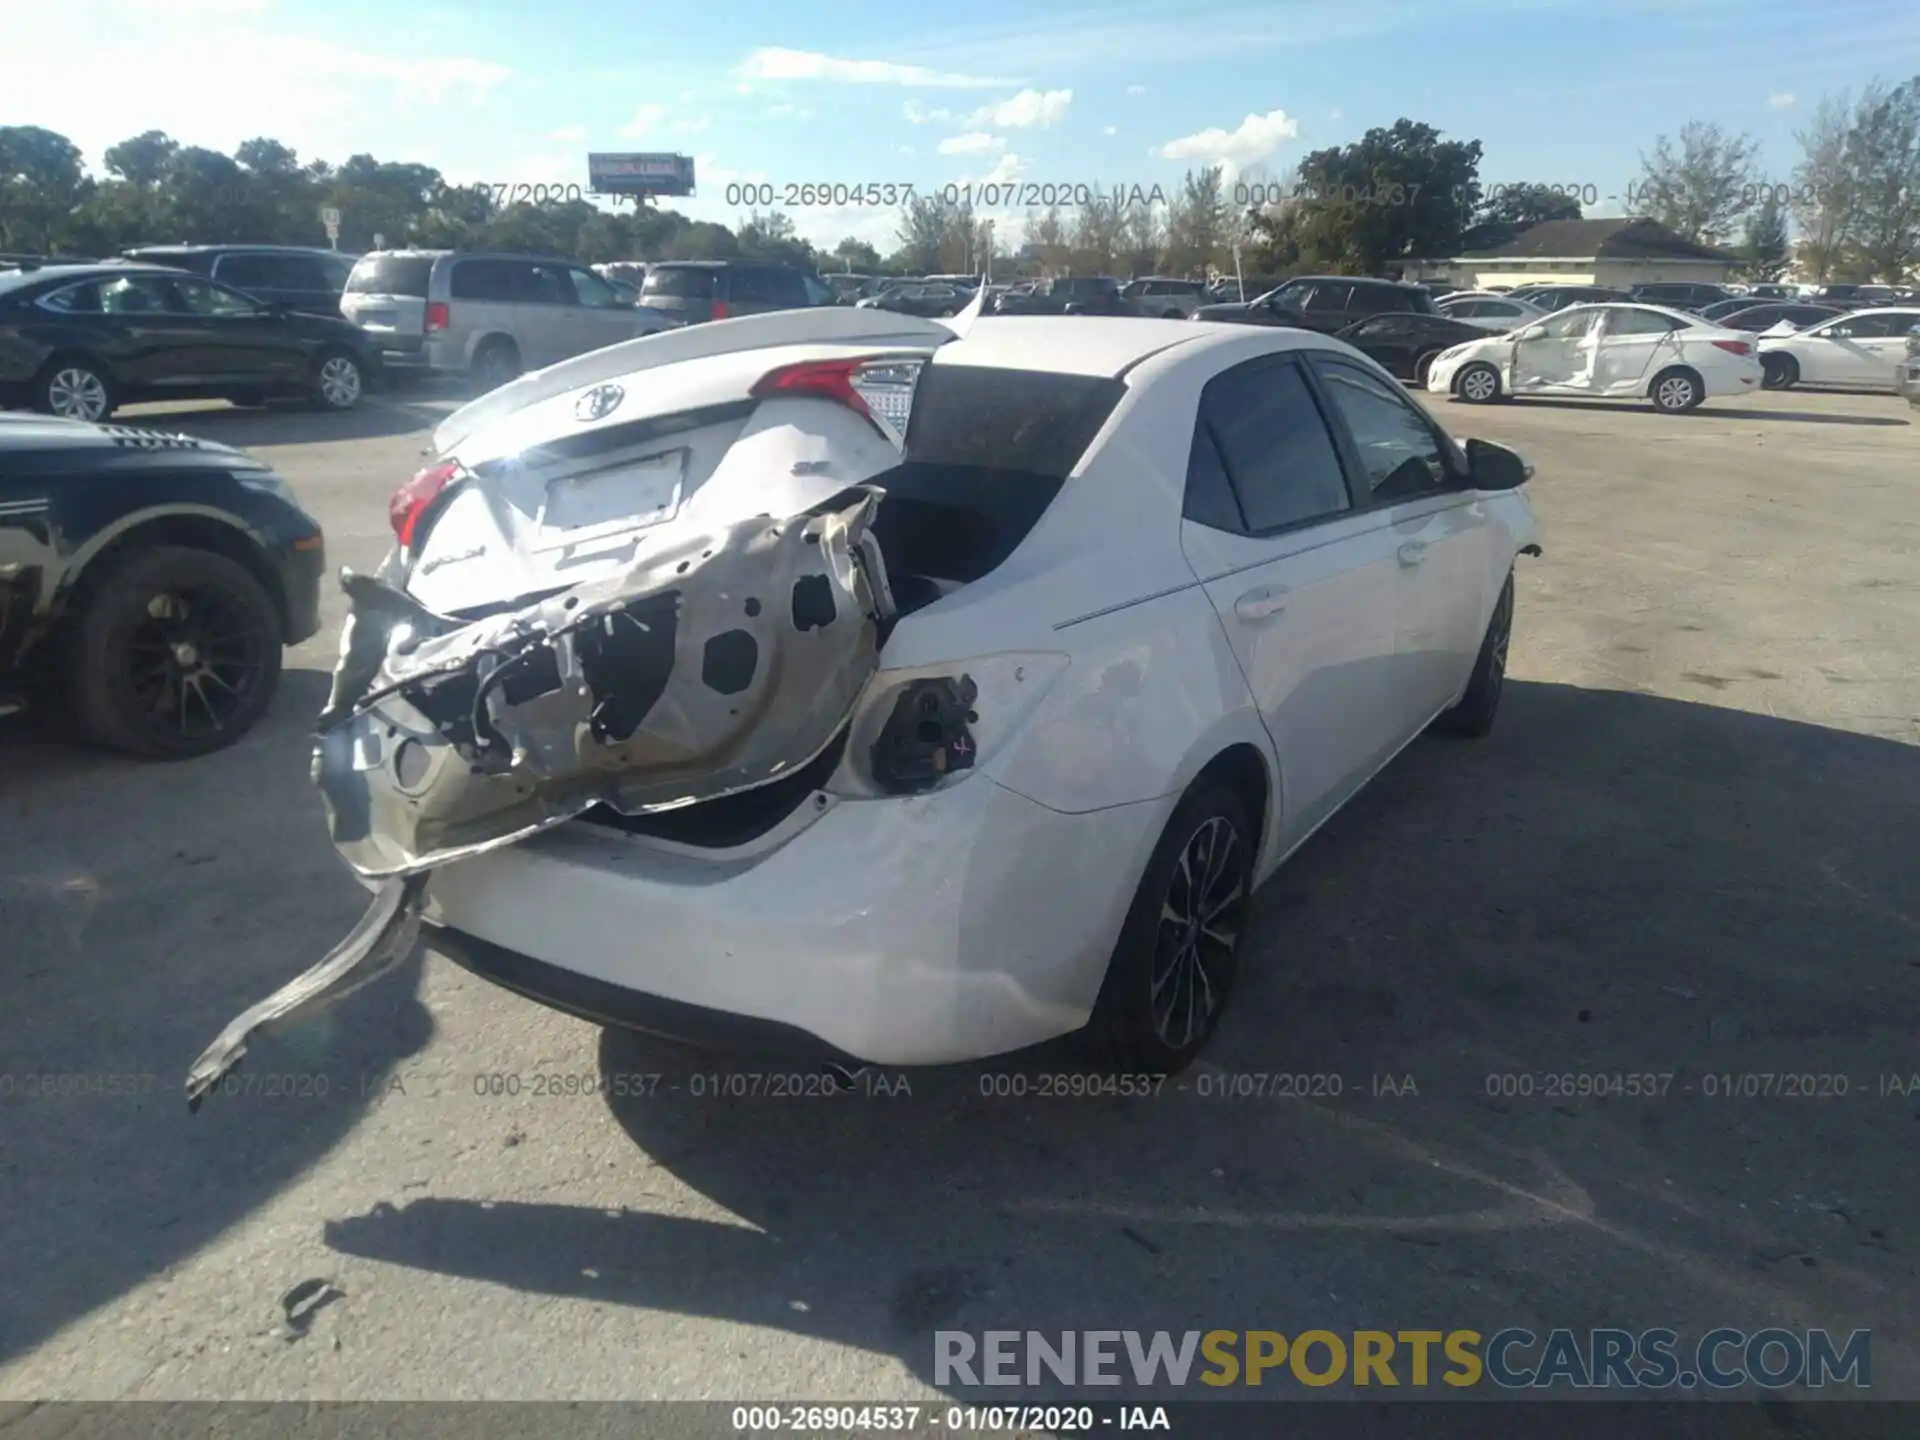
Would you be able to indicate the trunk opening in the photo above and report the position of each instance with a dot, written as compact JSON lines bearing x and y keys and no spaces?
{"x":732,"y":820}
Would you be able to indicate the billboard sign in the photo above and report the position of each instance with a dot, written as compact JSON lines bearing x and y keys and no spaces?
{"x":640,"y":174}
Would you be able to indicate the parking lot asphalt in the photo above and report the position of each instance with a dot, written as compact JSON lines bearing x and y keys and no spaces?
{"x":1686,"y":852}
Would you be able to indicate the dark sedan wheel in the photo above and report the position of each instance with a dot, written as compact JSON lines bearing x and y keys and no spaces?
{"x":1173,"y":969}
{"x":1422,"y":367}
{"x":175,"y":653}
{"x":74,"y":390}
{"x":338,"y":381}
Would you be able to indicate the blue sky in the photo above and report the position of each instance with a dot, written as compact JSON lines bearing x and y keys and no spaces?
{"x":492,"y":91}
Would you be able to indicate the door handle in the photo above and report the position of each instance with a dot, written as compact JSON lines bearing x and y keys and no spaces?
{"x":1413,"y":552}
{"x":1261,"y":604}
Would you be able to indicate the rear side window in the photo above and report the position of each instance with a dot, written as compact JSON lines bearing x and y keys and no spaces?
{"x":753,"y":286}
{"x":1263,"y":458}
{"x":968,"y":493}
{"x":679,"y":282}
{"x":391,"y":275}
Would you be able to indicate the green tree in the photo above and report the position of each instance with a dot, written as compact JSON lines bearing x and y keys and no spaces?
{"x":1513,"y":209}
{"x":1824,"y":189}
{"x":1766,"y":251}
{"x":41,"y":184}
{"x":1883,"y":164}
{"x":1399,"y":192}
{"x":1702,"y":187}
{"x":857,"y":256}
{"x":1197,"y":222}
{"x":143,"y":159}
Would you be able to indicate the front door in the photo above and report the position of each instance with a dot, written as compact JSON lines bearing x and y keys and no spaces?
{"x":161,"y":348}
{"x":1556,"y":354}
{"x":1301,"y":577}
{"x":245,"y":344}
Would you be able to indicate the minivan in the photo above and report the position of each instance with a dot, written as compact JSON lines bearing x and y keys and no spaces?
{"x":297,"y":277}
{"x":484,"y":315}
{"x":695,"y":290}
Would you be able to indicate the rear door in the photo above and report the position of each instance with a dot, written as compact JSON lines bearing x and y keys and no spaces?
{"x":1443,"y":541}
{"x":597,"y":317}
{"x":1885,"y":347}
{"x":544,"y":312}
{"x":755,"y":290}
{"x":243,"y":343}
{"x":1301,"y":576}
{"x":1629,"y":342}
{"x":386,"y":296}
{"x":162,"y":347}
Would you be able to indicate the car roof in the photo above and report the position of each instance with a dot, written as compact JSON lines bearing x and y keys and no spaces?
{"x":1091,"y":345}
{"x":717,"y":264}
{"x":226,"y":249}
{"x":89,"y":272}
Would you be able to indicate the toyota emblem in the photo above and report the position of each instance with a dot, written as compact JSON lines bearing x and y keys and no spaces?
{"x":598,"y":403}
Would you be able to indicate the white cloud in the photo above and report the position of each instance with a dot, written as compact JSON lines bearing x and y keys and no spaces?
{"x":774,"y":63}
{"x":1136,"y":89}
{"x":976,"y":142}
{"x":1336,"y":114}
{"x":1781,"y":101}
{"x":1255,"y":138}
{"x":1010,"y":167}
{"x":1109,"y":129}
{"x":571,"y":132}
{"x":789,"y":112}
{"x":1025,"y":110}
{"x":692,"y":125}
{"x":743,"y":89}
{"x":919,"y":114}
{"x":645,"y":121}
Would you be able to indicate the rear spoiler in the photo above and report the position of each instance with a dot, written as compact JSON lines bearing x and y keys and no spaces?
{"x":825,"y":324}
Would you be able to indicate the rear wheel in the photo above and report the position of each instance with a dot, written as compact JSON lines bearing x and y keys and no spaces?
{"x":175,"y":652}
{"x":1477,"y":384}
{"x":74,"y":389}
{"x":1779,"y":372}
{"x":1173,"y":967}
{"x":495,"y":363}
{"x":1674,"y":392}
{"x":338,"y":382}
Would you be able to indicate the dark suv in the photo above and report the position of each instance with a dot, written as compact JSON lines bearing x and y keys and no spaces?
{"x":293,"y":276}
{"x":697,"y":290}
{"x":1327,"y":303}
{"x":1680,"y":297}
{"x":1066,"y":295}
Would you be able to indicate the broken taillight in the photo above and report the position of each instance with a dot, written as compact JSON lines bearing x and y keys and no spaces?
{"x":412,"y":499}
{"x":1733,"y":347}
{"x":822,"y":379}
{"x":926,"y":737}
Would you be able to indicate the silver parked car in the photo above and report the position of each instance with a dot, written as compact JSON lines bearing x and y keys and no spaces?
{"x":1910,"y":369}
{"x":490,"y":316}
{"x":1163,"y":299}
{"x":1497,"y":313}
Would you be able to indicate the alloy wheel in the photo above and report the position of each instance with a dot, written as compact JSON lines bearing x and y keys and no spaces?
{"x":1675,"y":393}
{"x":77,"y":394}
{"x":1198,"y":932}
{"x":340,"y":382}
{"x":194,"y":657}
{"x":1479,"y":384}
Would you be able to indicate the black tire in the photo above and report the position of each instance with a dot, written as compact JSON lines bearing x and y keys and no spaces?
{"x":1779,"y":372}
{"x":496,"y":362}
{"x":1484,"y":386}
{"x":1126,"y":1032}
{"x":338,"y":381}
{"x":1677,"y":391}
{"x":67,"y":376}
{"x":138,"y":672}
{"x":1473,"y":716}
{"x":1421,"y":366}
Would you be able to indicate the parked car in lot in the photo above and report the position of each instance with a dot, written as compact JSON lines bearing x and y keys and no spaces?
{"x":695,"y":291}
{"x":148,"y":582}
{"x":1498,"y":313}
{"x":1558,"y":297}
{"x":1327,"y":303}
{"x":1166,"y":299}
{"x":1406,"y":345}
{"x":929,"y":300}
{"x":1066,"y":295}
{"x":1861,"y":350}
{"x":986,"y":765}
{"x":631,"y":272}
{"x":1677,"y":296}
{"x":1674,"y":359}
{"x":80,"y":340}
{"x":486,"y":316}
{"x":292,"y":276}
{"x":1910,"y":369}
{"x":1782,"y":316}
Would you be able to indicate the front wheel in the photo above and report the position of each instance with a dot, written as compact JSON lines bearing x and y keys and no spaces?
{"x":175,"y":652}
{"x":1473,"y":716}
{"x":1477,"y":384}
{"x":74,"y":390}
{"x":1173,"y":967}
{"x":1779,"y":372}
{"x":1422,"y":368}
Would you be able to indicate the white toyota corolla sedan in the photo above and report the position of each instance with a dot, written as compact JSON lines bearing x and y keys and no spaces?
{"x":896,"y":691}
{"x":1622,"y":351}
{"x":1862,"y":350}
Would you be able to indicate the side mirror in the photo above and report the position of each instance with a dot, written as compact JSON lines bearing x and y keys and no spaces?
{"x":1532,"y":332}
{"x":1495,"y":467}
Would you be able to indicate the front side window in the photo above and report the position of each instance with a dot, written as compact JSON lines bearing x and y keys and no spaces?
{"x":1397,"y":446}
{"x":203,"y":297}
{"x":135,"y":295}
{"x":1624,"y":320}
{"x":1263,"y":458}
{"x":1570,"y":324}
{"x":593,"y":292}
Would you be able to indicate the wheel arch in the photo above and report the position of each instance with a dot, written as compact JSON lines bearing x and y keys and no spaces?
{"x":78,"y":352}
{"x":1678,"y":367}
{"x":192,"y":526}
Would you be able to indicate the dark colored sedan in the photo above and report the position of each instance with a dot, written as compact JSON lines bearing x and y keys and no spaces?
{"x":1406,"y":344}
{"x":149,"y":581}
{"x":1755,"y":318}
{"x":929,"y":301}
{"x":79,"y":340}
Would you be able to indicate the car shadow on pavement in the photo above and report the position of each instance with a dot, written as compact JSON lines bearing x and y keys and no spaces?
{"x":143,"y":905}
{"x":262,"y":429}
{"x":1710,"y":412}
{"x":1485,"y":1068}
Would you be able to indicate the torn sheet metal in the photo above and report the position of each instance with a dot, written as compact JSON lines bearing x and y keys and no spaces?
{"x":722,"y":661}
{"x":382,"y":940}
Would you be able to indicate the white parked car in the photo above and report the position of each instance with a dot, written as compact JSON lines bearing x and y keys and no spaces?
{"x":698,"y":705}
{"x":1490,"y":312}
{"x":1861,"y":350}
{"x":1674,"y":359}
